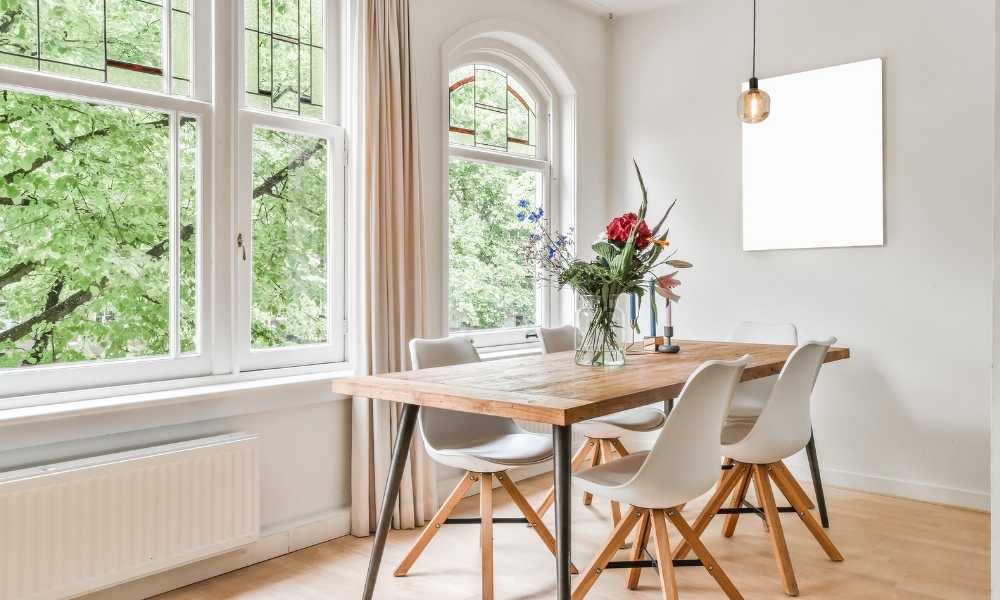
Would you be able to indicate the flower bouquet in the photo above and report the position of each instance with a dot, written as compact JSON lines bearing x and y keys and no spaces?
{"x":628,"y":253}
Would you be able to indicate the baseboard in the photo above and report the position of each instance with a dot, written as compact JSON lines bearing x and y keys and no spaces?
{"x":886,"y":486}
{"x":274,"y":541}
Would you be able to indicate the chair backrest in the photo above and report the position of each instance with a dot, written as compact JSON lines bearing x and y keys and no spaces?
{"x":766,"y":333}
{"x":785,"y":425}
{"x":557,"y":339}
{"x":443,"y":428}
{"x":751,"y":332}
{"x":684,"y":460}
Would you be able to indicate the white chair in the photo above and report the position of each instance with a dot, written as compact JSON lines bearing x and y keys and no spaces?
{"x":484,"y":447}
{"x":681,"y":466}
{"x":752,"y":395}
{"x":757,"y":451}
{"x":602,"y":434}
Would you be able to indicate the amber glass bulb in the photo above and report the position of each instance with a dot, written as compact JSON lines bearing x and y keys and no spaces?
{"x":754,"y":104}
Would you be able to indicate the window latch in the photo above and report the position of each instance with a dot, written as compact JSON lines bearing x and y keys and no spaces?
{"x":239,"y":244}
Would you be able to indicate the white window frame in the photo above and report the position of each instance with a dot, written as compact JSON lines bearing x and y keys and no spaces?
{"x":544,"y":163}
{"x":330,"y":128}
{"x":225,"y":126}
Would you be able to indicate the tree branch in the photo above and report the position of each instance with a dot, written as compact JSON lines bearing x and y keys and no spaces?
{"x":62,"y":309}
{"x":17,"y":273}
{"x":281,"y":175}
{"x":66,"y":146}
{"x":42,"y":340}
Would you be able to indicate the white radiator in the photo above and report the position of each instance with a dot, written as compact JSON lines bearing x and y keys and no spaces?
{"x":75,"y":527}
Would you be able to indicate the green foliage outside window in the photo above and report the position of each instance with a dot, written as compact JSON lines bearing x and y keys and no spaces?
{"x":489,"y":286}
{"x":289,"y":240}
{"x":84,"y":236}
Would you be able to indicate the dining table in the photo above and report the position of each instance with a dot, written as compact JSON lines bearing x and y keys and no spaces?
{"x":550,"y":389}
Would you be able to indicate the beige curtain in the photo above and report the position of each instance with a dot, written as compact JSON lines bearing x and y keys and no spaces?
{"x":394,"y":265}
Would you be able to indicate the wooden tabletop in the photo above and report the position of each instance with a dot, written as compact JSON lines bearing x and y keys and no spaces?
{"x":551,"y":388}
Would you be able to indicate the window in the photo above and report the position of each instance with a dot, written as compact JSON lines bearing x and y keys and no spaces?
{"x":114,"y":41}
{"x":291,"y":195}
{"x":498,"y":176}
{"x":116,"y":231}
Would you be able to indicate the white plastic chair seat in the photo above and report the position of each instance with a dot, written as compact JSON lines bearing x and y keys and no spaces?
{"x":496,"y":453}
{"x":614,"y":481}
{"x":618,"y":424}
{"x":613,"y":474}
{"x":784,"y":426}
{"x":735,"y":430}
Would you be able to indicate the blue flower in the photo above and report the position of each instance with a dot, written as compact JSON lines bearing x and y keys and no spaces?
{"x":534,"y":237}
{"x":536,"y":216}
{"x":521,"y":215}
{"x":552,"y":251}
{"x":523,"y":203}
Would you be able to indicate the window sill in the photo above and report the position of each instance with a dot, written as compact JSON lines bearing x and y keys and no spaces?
{"x":58,"y":406}
{"x":509,"y":353}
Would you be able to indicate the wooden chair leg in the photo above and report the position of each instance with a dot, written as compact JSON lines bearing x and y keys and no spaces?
{"x":589,"y":577}
{"x":757,"y":496}
{"x":431,"y":529}
{"x":704,"y":555}
{"x":595,"y":460}
{"x":712,"y":508}
{"x":795,"y":487}
{"x":729,"y":528}
{"x":619,"y":447}
{"x":778,"y":544}
{"x":581,"y":455}
{"x":641,"y":539}
{"x":486,"y":532}
{"x":529,"y":513}
{"x":785,"y":482}
{"x":607,"y":449}
{"x":723,"y":473}
{"x":664,"y":558}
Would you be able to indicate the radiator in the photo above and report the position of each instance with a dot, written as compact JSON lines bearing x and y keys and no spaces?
{"x":75,"y":527}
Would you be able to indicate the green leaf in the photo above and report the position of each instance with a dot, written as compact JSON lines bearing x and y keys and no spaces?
{"x":606,"y":250}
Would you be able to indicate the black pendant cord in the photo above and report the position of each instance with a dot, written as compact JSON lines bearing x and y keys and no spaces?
{"x":753,"y":68}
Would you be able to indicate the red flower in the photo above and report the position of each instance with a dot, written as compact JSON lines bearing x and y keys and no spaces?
{"x":621,"y":227}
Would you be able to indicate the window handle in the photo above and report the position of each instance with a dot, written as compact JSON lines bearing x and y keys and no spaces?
{"x":239,"y":244}
{"x":531,"y":336}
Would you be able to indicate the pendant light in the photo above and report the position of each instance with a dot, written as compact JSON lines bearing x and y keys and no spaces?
{"x":754,"y":104}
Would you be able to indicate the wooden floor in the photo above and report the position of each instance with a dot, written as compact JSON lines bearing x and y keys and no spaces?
{"x":895,"y":549}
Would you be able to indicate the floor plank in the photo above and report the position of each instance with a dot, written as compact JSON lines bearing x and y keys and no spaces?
{"x":894,"y":549}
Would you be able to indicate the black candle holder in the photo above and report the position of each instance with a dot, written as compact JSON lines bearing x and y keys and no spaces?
{"x":669,"y":347}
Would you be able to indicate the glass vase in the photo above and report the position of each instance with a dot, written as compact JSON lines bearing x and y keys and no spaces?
{"x":600,"y":331}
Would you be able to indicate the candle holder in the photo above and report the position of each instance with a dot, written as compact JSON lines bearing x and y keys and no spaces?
{"x":669,"y":347}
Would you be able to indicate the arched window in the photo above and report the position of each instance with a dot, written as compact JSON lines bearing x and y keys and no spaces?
{"x":498,"y":189}
{"x":489,"y":109}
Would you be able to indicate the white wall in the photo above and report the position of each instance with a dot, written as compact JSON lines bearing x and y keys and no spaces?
{"x":578,"y":38}
{"x":909,"y":413}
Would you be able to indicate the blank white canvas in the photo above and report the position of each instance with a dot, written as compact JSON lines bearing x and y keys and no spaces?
{"x":812,"y":171}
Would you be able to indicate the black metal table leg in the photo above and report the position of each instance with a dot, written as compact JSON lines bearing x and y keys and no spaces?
{"x":817,"y":482}
{"x":407,"y":423}
{"x":562,"y":443}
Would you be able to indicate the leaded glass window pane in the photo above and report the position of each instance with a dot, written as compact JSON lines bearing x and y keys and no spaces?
{"x":284,"y":56}
{"x":112,"y":41}
{"x":490,"y":110}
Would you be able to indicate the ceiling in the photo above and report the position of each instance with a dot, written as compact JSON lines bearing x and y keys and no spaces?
{"x":621,"y":7}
